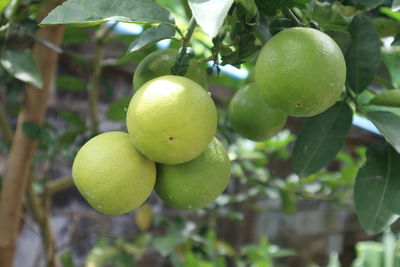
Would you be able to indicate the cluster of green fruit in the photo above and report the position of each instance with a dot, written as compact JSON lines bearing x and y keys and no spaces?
{"x":170,"y":145}
{"x":299,"y":72}
{"x":172,"y":121}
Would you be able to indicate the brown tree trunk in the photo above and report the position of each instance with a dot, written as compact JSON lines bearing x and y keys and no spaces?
{"x":22,"y":148}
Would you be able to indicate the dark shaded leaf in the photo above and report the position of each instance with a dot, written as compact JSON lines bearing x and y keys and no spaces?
{"x":70,"y":83}
{"x":22,"y":66}
{"x":72,"y":118}
{"x":396,"y":40}
{"x":270,"y":7}
{"x":321,"y":138}
{"x":366,"y":4}
{"x":389,"y":126}
{"x":94,"y":12}
{"x":327,"y":17}
{"x":386,"y":27}
{"x":342,"y":38}
{"x":280,"y":24}
{"x":31,"y":130}
{"x":377,"y":187}
{"x":363,"y":56}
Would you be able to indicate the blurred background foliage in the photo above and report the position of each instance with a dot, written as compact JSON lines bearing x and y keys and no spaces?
{"x":261,"y":171}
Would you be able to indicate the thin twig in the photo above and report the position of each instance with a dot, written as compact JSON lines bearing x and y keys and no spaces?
{"x":93,"y":84}
{"x":289,"y":12}
{"x":58,"y":185}
{"x":189,"y":33}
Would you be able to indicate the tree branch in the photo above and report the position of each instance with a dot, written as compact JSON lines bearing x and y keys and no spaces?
{"x":22,"y":148}
{"x":58,"y":185}
{"x":4,"y":125}
{"x":93,"y":85}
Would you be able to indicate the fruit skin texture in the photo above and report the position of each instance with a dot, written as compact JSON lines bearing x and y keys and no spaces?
{"x":197,"y":183}
{"x":251,"y":117}
{"x":171,"y":119}
{"x":159,"y":63}
{"x":300,"y":71}
{"x":112,"y":175}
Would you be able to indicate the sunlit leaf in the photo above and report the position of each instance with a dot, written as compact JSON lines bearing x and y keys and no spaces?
{"x":22,"y":66}
{"x":95,"y":12}
{"x":210,"y":14}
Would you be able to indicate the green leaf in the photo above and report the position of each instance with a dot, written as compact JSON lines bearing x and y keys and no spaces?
{"x":396,"y":40}
{"x":70,"y":83}
{"x":117,"y":110}
{"x":75,"y":35}
{"x":22,"y":66}
{"x":249,"y":6}
{"x":389,"y":126}
{"x":66,"y":259}
{"x":386,"y":27}
{"x":148,"y":37}
{"x":377,"y":187}
{"x":342,"y":38}
{"x":280,"y":24}
{"x":270,"y":7}
{"x":3,"y":5}
{"x":321,"y":138}
{"x":389,"y":98}
{"x":31,"y":130}
{"x":392,"y":62}
{"x":72,"y":118}
{"x":390,"y":13}
{"x":94,"y":12}
{"x":367,"y":4}
{"x":363,"y":56}
{"x":210,"y":14}
{"x":327,"y":16}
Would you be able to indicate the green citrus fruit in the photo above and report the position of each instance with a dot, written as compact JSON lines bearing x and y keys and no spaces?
{"x":159,"y":63}
{"x":389,"y":98}
{"x":171,"y":119}
{"x":251,"y":117}
{"x":112,"y":175}
{"x":300,"y":71}
{"x":195,"y":184}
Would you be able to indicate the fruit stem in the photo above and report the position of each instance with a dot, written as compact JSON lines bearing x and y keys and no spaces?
{"x":190,"y":31}
{"x":289,"y":12}
{"x":93,"y":84}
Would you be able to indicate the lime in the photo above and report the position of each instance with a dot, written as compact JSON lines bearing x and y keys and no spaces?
{"x":112,"y":175}
{"x":300,"y":71}
{"x":159,"y":63}
{"x":251,"y":117}
{"x":195,"y":184}
{"x":171,"y":119}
